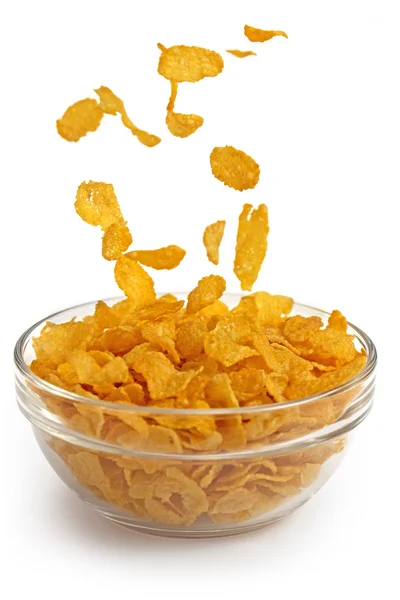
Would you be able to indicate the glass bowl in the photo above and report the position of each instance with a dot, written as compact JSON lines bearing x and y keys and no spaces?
{"x":133,"y":464}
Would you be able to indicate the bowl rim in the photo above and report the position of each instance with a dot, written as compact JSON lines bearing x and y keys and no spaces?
{"x":23,"y":368}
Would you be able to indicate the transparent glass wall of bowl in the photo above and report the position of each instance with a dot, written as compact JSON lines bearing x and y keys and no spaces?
{"x":180,"y":509}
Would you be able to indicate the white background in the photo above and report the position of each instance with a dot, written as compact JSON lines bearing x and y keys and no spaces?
{"x":320,"y":113}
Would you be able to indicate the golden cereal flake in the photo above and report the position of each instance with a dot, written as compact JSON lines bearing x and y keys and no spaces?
{"x":116,"y":240}
{"x":97,"y":204}
{"x":212,"y":239}
{"x":234,"y":168}
{"x":337,"y":321}
{"x":180,"y":124}
{"x":189,"y":63}
{"x":226,"y":343}
{"x":261,"y":35}
{"x":111,"y":104}
{"x":241,"y":53}
{"x":80,"y":118}
{"x":251,"y":244}
{"x":133,"y":280}
{"x":168,"y":257}
{"x":267,"y":309}
{"x":163,"y":379}
{"x":208,"y":290}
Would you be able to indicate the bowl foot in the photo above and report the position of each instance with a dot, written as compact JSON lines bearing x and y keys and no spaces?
{"x":208,"y":531}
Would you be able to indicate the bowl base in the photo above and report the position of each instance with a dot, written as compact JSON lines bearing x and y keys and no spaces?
{"x":159,"y":530}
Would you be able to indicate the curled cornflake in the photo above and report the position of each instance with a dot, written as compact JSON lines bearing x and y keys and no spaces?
{"x":337,"y":321}
{"x":161,"y":335}
{"x":298,"y":329}
{"x":133,"y":280}
{"x":89,"y":372}
{"x":97,"y":204}
{"x":208,"y":290}
{"x":212,"y":239}
{"x":183,"y":125}
{"x":179,"y":124}
{"x":56,"y":340}
{"x":168,"y":298}
{"x":104,"y":316}
{"x":226,"y":343}
{"x":251,"y":244}
{"x":168,"y":257}
{"x":219,"y":393}
{"x":241,"y":53}
{"x":190,"y":338}
{"x":123,"y":308}
{"x":276,"y":384}
{"x":154,"y":311}
{"x":301,"y":388}
{"x":329,"y":347}
{"x":119,"y":340}
{"x":215,"y":309}
{"x":247,"y":383}
{"x":88,"y":469}
{"x":268,"y":309}
{"x":111,"y":105}
{"x":261,"y":35}
{"x":187,"y":499}
{"x":188,"y":63}
{"x":116,"y":240}
{"x":234,"y":168}
{"x":80,"y":118}
{"x":162,"y":378}
{"x":233,"y":502}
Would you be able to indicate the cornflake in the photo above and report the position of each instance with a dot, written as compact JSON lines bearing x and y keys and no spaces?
{"x":234,"y":168}
{"x":133,"y":280}
{"x":116,"y":240}
{"x":208,"y":290}
{"x":79,"y":119}
{"x":251,"y":244}
{"x":261,"y":35}
{"x":168,"y":257}
{"x":188,"y":63}
{"x":112,"y":105}
{"x":212,"y":239}
{"x":97,"y":204}
{"x":180,"y":125}
{"x":241,"y":53}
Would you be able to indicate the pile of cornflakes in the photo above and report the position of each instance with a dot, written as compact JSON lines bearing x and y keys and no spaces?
{"x":146,"y":354}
